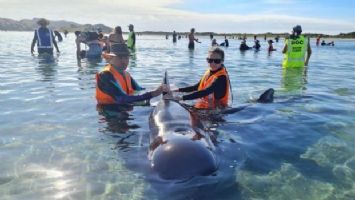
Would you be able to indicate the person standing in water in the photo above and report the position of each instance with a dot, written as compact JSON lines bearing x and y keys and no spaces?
{"x":174,"y":37}
{"x":226,"y":42}
{"x":213,"y":90}
{"x":116,"y":36}
{"x":131,"y":41}
{"x":115,"y":86}
{"x":295,"y":49}
{"x":318,"y":40}
{"x":192,"y":39}
{"x":44,"y":38}
{"x":271,"y":47}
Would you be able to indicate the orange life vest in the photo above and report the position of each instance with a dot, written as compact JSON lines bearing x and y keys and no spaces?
{"x":123,"y":80}
{"x":209,"y":101}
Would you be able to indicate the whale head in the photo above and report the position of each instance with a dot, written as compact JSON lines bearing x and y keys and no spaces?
{"x":183,"y":158}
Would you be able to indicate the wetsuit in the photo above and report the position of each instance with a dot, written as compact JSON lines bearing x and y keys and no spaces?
{"x":244,"y":47}
{"x":174,"y":37}
{"x":218,"y":88}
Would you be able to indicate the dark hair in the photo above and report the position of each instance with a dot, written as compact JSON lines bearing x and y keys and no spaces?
{"x":118,"y":30}
{"x":101,"y":35}
{"x":77,"y":33}
{"x":217,"y":51}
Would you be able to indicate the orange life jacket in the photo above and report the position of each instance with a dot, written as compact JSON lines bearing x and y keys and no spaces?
{"x":209,"y":101}
{"x":123,"y":80}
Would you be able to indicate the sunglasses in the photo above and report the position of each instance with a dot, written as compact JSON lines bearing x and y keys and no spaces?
{"x":217,"y":61}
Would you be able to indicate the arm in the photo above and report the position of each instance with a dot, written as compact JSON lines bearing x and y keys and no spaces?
{"x":218,"y":87}
{"x":54,"y":42}
{"x":134,"y":39}
{"x":78,"y":48}
{"x":309,"y":53}
{"x":33,"y":42}
{"x":284,"y":50}
{"x":189,"y":88}
{"x":109,"y":86}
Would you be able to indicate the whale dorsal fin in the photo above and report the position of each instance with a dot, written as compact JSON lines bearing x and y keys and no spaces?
{"x":166,"y":81}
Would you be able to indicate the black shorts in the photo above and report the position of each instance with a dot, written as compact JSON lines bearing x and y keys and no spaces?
{"x":191,"y":45}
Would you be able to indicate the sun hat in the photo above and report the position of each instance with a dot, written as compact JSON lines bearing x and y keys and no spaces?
{"x":119,"y":49}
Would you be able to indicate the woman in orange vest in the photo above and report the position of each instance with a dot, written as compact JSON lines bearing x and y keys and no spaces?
{"x":213,"y":90}
{"x":114,"y":85}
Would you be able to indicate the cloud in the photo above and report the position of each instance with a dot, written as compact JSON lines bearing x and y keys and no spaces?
{"x":158,"y":15}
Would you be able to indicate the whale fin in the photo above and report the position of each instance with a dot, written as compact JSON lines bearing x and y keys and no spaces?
{"x":267,"y":96}
{"x":166,"y":81}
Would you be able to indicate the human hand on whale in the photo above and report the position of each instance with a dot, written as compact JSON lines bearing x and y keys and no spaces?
{"x":162,"y":88}
{"x":170,"y":95}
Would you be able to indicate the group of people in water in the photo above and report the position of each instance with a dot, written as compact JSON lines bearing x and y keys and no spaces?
{"x":95,"y":42}
{"x":99,"y":45}
{"x":116,"y":86}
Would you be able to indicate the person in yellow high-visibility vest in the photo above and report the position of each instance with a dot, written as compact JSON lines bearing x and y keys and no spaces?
{"x":295,"y":49}
{"x":131,"y":40}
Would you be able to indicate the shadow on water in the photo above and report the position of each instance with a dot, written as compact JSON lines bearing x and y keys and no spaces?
{"x":191,"y":56}
{"x":133,"y":59}
{"x":47,"y":67}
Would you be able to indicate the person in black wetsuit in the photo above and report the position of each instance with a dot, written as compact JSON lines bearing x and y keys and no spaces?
{"x":174,"y":37}
{"x":225,"y":43}
{"x":213,"y":90}
{"x":243,"y":46}
{"x":257,"y":45}
{"x":58,"y":36}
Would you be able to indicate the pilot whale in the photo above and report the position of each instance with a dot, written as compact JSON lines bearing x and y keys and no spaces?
{"x":179,"y":146}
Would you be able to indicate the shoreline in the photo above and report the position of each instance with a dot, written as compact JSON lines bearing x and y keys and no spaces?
{"x":207,"y":34}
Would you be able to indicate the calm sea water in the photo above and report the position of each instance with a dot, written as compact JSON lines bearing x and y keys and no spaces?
{"x":54,"y":144}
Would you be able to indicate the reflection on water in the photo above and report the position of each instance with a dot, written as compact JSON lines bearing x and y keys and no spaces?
{"x":133,"y":59}
{"x":294,"y":79}
{"x":47,"y":66}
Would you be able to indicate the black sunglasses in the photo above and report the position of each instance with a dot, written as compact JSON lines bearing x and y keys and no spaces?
{"x":217,"y":61}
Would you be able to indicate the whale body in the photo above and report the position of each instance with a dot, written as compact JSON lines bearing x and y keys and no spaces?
{"x":179,"y":149}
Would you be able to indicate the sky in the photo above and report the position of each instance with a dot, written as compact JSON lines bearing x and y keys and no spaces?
{"x":220,"y":16}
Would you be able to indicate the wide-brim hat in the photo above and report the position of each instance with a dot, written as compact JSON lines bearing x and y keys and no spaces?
{"x":119,"y":49}
{"x":43,"y":21}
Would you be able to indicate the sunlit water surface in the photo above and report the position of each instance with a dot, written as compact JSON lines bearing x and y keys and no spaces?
{"x":54,"y":144}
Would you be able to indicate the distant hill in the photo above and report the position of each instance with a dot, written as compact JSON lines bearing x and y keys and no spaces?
{"x":60,"y":25}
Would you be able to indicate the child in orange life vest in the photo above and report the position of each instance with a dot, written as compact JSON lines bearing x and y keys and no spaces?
{"x":115,"y":85}
{"x":213,"y":90}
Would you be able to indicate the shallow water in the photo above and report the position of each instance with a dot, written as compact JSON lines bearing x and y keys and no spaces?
{"x":55,"y":144}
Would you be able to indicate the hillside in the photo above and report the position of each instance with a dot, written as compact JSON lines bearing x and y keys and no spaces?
{"x":60,"y":25}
